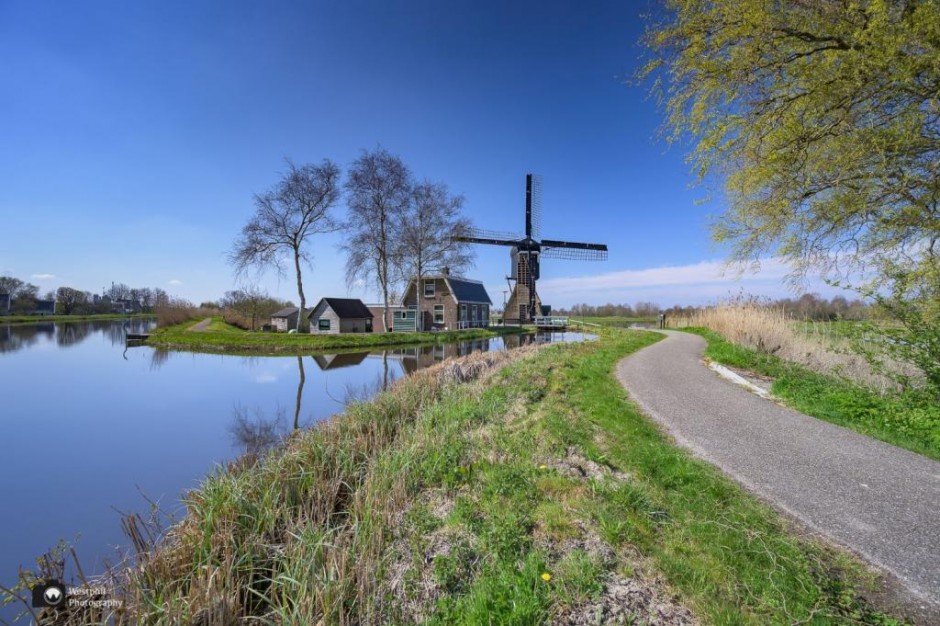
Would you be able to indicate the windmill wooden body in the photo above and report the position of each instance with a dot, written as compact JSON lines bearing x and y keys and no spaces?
{"x":526,"y":254}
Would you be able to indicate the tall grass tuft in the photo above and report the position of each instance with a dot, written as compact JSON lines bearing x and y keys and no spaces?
{"x":179,"y":311}
{"x":770,"y":330}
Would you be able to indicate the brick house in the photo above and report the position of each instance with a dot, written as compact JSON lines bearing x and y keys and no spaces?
{"x":446,"y":303}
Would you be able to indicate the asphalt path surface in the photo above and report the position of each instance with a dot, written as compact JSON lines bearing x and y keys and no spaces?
{"x":880,"y":501}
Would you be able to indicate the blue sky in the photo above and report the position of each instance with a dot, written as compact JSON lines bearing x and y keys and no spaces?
{"x":135,"y":133}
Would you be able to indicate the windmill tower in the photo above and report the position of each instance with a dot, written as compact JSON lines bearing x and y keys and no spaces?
{"x":526,"y":253}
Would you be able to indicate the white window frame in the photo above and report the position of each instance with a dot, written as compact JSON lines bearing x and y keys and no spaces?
{"x":320,"y":324}
{"x":429,"y":283}
{"x":438,"y":313}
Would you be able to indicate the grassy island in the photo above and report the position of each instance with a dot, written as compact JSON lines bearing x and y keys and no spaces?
{"x":15,"y":320}
{"x":518,"y":487}
{"x":219,"y":336}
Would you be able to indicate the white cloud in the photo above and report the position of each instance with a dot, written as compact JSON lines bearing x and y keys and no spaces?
{"x":43,"y":276}
{"x":696,"y":283}
{"x":266,"y":378}
{"x":175,"y":282}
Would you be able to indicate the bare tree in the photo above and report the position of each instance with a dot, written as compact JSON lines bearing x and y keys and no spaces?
{"x":251,"y":302}
{"x":379,"y":188}
{"x":70,"y":300}
{"x":285,"y":218}
{"x":426,"y":236}
{"x":119,"y":291}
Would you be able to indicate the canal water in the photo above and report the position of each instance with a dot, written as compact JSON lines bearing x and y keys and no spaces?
{"x":90,"y":429}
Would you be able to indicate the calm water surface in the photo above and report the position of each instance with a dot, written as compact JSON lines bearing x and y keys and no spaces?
{"x":89,"y":429}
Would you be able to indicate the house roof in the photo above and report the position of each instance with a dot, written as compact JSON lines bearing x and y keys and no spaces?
{"x":346,"y":308}
{"x":468,"y":290}
{"x":463,"y":289}
{"x":286,"y":312}
{"x":336,"y":361}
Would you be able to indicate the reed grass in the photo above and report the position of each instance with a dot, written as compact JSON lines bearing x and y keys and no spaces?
{"x":770,"y":330}
{"x":173,"y":314}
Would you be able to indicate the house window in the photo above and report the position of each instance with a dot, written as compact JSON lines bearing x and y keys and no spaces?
{"x":429,"y":289}
{"x":438,"y":313}
{"x":473,"y":313}
{"x":324,"y":324}
{"x":368,"y":324}
{"x":463,"y":312}
{"x":486,"y":313}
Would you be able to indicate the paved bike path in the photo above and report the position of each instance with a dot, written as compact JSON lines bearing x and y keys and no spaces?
{"x":881,"y":501}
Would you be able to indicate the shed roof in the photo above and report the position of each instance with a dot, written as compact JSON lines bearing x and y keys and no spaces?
{"x":286,"y":312}
{"x":346,"y":308}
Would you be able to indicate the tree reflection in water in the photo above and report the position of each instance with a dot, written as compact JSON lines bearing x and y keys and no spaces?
{"x":300,"y":390}
{"x":256,"y":432}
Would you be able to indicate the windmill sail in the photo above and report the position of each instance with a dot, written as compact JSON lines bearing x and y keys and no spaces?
{"x":524,"y":304}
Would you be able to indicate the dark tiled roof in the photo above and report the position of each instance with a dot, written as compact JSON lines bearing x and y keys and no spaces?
{"x":336,"y":361}
{"x":348,"y":308}
{"x":468,"y":290}
{"x":287,"y":312}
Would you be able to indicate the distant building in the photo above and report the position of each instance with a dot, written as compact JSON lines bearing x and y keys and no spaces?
{"x":332,"y":316}
{"x":125,"y":306}
{"x":44,"y":307}
{"x":447,"y":303}
{"x":285,"y":319}
{"x":5,"y":304}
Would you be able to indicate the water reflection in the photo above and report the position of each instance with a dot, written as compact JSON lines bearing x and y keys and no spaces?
{"x":67,"y":334}
{"x":257,"y":432}
{"x":160,"y":417}
{"x":302,"y":378}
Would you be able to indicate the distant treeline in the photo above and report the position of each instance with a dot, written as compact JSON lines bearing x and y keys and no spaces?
{"x":809,"y":306}
{"x":25,"y":299}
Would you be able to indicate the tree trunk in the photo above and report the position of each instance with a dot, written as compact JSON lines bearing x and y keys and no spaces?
{"x":300,"y":288}
{"x":383,"y":280}
{"x":419,"y":290}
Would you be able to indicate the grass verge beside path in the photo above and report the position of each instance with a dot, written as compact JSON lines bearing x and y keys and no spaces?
{"x":534,"y":493}
{"x":15,"y":320}
{"x":222,"y":337}
{"x":909,"y":420}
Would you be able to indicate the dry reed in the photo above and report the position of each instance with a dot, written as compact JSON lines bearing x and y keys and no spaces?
{"x":171,"y":314}
{"x":769,"y":330}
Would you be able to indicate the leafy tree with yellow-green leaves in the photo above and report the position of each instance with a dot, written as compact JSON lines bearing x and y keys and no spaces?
{"x":822,"y":120}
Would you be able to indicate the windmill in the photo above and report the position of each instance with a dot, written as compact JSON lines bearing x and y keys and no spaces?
{"x":527,"y":252}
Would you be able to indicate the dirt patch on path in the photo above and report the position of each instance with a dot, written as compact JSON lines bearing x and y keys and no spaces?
{"x":201,"y":326}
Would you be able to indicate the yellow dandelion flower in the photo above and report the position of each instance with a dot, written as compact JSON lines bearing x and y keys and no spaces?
{"x":546,"y":576}
{"x":543,"y":466}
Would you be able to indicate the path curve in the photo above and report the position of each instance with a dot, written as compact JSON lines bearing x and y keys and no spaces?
{"x":201,"y":326}
{"x":880,"y":501}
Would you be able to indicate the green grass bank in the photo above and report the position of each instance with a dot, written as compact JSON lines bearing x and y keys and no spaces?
{"x":518,"y":487}
{"x":14,"y":320}
{"x":222,"y":337}
{"x":909,"y":419}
